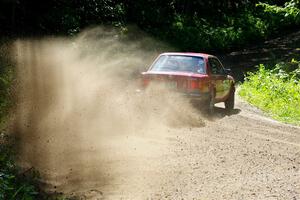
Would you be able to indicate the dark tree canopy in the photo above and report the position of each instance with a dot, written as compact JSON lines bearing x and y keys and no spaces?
{"x":61,"y":16}
{"x":207,"y":24}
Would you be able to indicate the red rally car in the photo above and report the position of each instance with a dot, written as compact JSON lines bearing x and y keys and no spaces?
{"x":198,"y":76}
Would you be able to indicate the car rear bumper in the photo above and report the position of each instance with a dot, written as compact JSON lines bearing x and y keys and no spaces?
{"x":196,"y":97}
{"x":201,"y":97}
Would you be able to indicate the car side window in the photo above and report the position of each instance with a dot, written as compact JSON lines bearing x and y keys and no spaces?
{"x":216,"y":67}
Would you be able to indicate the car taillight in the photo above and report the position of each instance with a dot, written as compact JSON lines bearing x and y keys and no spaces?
{"x":204,"y":86}
{"x":193,"y":84}
{"x":198,"y":85}
{"x":145,"y":82}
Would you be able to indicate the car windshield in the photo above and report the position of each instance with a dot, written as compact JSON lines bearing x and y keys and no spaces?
{"x":175,"y":63}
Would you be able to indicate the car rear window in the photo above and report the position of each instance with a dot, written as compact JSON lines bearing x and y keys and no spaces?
{"x":175,"y":63}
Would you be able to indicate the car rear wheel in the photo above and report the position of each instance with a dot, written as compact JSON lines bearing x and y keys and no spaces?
{"x":211,"y":103}
{"x":229,"y":103}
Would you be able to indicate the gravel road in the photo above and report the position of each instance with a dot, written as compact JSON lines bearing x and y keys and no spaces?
{"x":90,"y":138}
{"x":244,"y":155}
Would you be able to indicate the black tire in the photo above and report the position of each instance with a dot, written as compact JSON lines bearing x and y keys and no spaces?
{"x":229,"y":103}
{"x":211,"y":103}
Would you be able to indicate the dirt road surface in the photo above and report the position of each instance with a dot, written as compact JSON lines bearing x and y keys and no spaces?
{"x":87,"y":142}
{"x":244,"y":155}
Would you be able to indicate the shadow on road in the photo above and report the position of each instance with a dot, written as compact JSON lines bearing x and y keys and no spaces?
{"x":220,"y":113}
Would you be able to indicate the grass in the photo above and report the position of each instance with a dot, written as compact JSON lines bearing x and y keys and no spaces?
{"x":276,"y":91}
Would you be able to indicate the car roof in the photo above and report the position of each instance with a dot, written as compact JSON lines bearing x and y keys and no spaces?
{"x":204,"y":55}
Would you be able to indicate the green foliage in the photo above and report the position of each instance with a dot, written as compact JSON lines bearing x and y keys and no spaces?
{"x":246,"y":25}
{"x":190,"y":25}
{"x":5,"y":101}
{"x":276,"y":91}
{"x":6,"y":78}
{"x":200,"y":34}
{"x":70,"y":16}
{"x":14,"y":185}
{"x":278,"y":16}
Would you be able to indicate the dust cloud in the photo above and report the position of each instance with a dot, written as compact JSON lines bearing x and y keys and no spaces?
{"x":78,"y":109}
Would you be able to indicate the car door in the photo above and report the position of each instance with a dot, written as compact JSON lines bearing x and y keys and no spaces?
{"x":219,"y":79}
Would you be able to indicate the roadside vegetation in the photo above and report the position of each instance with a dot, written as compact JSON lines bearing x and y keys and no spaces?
{"x":14,"y":184}
{"x":188,"y":25}
{"x":247,"y":25}
{"x":6,"y":79}
{"x":275,"y":90}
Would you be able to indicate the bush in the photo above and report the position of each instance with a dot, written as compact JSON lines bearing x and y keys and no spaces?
{"x":6,"y":79}
{"x":228,"y":30}
{"x":288,"y":15}
{"x":13,"y":184}
{"x":276,"y":91}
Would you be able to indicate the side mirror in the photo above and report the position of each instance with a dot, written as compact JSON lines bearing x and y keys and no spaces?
{"x":228,"y":71}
